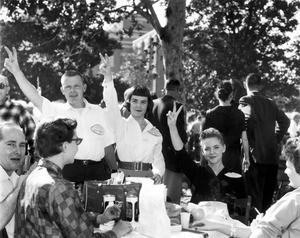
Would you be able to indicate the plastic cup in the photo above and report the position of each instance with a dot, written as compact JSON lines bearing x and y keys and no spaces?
{"x":185,"y":219}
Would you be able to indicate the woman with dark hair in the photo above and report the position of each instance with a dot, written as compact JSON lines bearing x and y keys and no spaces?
{"x":139,"y":143}
{"x":230,"y":121}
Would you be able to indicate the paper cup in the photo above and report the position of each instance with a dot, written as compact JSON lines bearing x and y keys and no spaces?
{"x":185,"y":219}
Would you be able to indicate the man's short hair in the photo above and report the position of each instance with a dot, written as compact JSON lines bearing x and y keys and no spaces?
{"x":254,"y":80}
{"x":10,"y":124}
{"x":51,"y":133}
{"x":172,"y":85}
{"x":72,"y":73}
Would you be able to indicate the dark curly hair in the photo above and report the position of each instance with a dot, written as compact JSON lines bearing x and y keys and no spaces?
{"x":224,"y":89}
{"x":51,"y":133}
{"x":291,"y":152}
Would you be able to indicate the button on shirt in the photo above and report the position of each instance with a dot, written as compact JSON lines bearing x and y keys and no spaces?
{"x":91,"y":127}
{"x":133,"y":144}
{"x":7,"y":184}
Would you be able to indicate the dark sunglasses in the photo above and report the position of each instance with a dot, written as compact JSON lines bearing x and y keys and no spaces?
{"x":3,"y":86}
{"x":77,"y":140}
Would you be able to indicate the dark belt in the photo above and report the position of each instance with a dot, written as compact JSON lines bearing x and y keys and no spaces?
{"x":86,"y":162}
{"x":136,"y":166}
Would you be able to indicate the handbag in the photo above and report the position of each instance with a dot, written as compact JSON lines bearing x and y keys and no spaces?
{"x":93,"y":192}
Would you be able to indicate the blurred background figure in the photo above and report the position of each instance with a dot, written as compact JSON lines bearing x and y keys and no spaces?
{"x":294,"y":129}
{"x":125,"y":107}
{"x":194,"y":138}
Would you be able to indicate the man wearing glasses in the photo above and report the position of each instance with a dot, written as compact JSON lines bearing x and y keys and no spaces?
{"x":89,"y":163}
{"x":173,"y":175}
{"x":15,"y":112}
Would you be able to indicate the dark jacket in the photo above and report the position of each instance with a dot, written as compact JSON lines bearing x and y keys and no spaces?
{"x":159,"y":119}
{"x":266,"y":126}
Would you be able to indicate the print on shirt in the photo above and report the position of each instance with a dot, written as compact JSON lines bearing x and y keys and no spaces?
{"x":98,"y":129}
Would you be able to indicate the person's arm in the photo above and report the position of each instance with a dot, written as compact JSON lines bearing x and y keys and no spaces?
{"x":110,"y":157}
{"x":172,"y":119}
{"x":113,"y":114}
{"x":245,"y":143}
{"x":283,"y":125}
{"x":12,"y":65}
{"x":65,"y":208}
{"x":209,"y":225}
{"x":181,"y":124}
{"x":158,"y":164}
{"x":9,"y":204}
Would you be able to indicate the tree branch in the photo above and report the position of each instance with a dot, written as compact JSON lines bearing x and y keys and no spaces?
{"x":150,"y":14}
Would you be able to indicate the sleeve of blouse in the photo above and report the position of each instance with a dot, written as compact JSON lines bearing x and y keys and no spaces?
{"x":187,"y":164}
{"x":279,"y":217}
{"x":159,"y":162}
{"x":113,"y":114}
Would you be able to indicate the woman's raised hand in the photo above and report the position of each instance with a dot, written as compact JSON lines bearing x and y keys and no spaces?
{"x":104,"y":68}
{"x":172,"y":115}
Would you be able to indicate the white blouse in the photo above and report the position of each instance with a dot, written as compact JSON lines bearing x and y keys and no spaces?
{"x":133,"y":144}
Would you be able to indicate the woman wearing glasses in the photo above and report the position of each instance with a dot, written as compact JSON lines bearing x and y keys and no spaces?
{"x":139,"y":143}
{"x":48,"y":205}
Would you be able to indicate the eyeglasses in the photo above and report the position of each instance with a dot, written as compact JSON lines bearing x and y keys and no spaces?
{"x":77,"y":140}
{"x":3,"y":86}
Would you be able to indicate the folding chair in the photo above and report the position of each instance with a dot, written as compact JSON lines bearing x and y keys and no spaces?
{"x":242,"y":207}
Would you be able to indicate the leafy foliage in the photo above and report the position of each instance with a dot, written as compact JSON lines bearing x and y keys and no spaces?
{"x":53,"y":36}
{"x":232,"y":38}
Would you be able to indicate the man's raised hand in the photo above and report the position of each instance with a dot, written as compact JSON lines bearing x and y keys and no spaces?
{"x":11,"y":63}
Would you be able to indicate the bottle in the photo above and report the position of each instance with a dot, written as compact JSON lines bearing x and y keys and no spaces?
{"x":233,"y":231}
{"x":132,"y":209}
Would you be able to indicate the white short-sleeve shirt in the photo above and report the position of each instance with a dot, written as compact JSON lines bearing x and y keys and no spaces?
{"x":91,"y":127}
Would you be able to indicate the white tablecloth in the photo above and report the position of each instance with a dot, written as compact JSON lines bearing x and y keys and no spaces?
{"x":180,"y":234}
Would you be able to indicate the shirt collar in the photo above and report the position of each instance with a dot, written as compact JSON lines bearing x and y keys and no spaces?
{"x":87,"y":104}
{"x":5,"y":176}
{"x":52,"y":167}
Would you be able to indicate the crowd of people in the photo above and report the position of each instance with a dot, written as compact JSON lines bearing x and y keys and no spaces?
{"x":146,"y":136}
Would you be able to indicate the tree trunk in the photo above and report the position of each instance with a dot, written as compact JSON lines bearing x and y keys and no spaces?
{"x":172,"y":38}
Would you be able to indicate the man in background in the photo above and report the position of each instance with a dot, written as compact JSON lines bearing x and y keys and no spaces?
{"x":173,"y":175}
{"x":261,"y":115}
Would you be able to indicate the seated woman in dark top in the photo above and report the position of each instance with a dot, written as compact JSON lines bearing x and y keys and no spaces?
{"x":212,"y":182}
